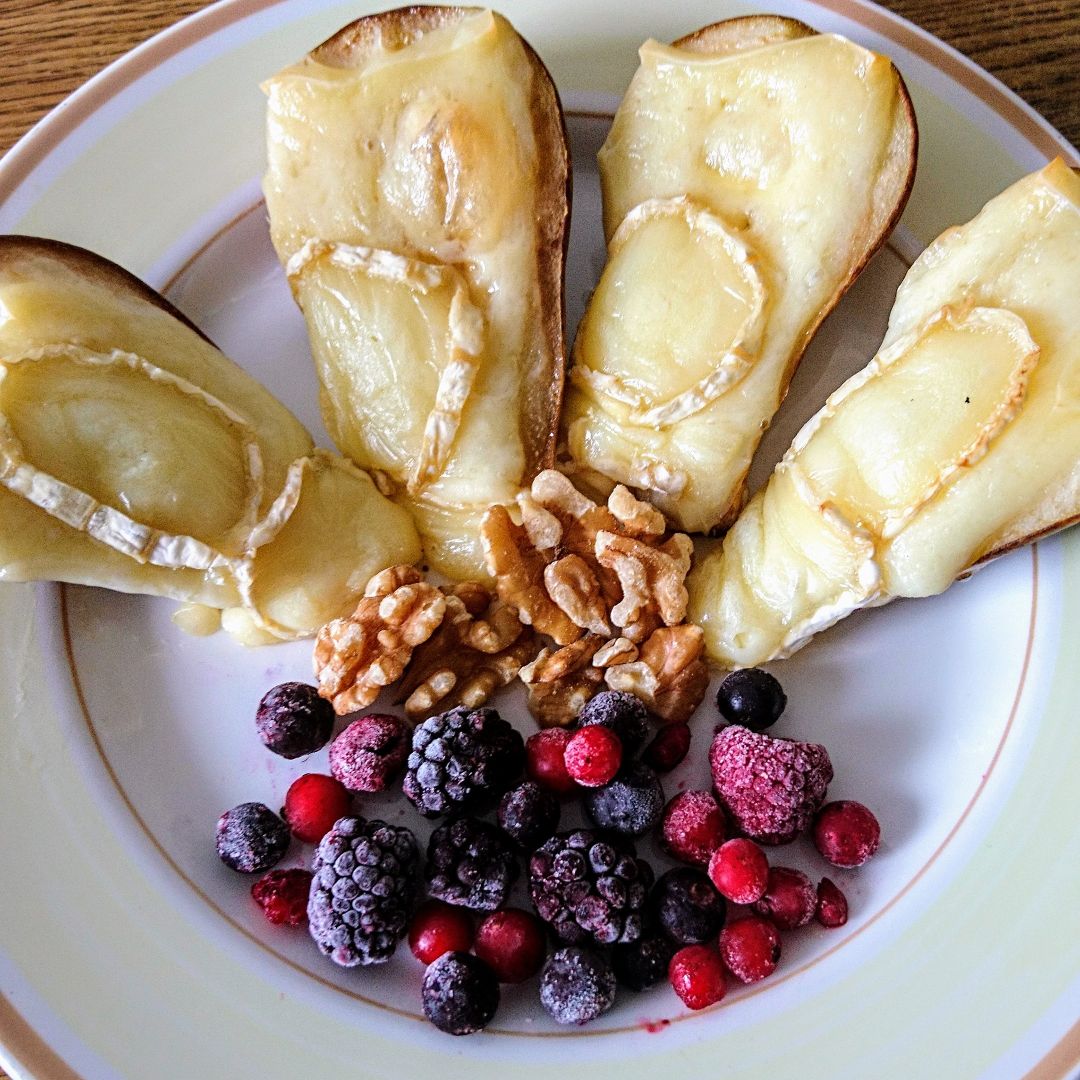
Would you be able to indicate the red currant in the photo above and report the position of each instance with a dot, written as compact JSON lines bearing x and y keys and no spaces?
{"x":668,"y":748}
{"x":790,"y":898}
{"x":312,"y":804}
{"x":512,"y":943}
{"x":740,"y":871}
{"x":750,"y":948}
{"x":545,"y":762}
{"x":846,"y":833}
{"x":831,"y":907}
{"x":439,"y":928}
{"x":593,"y":756}
{"x":697,"y":976}
{"x":692,"y":827}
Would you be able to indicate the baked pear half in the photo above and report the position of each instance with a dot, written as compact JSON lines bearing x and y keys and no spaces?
{"x":418,"y":190}
{"x":959,"y":441}
{"x":750,"y":173}
{"x":136,"y":456}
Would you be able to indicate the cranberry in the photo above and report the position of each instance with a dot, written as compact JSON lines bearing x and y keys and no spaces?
{"x":831,"y":907}
{"x":846,"y":833}
{"x":697,"y":976}
{"x":312,"y":804}
{"x":740,"y":871}
{"x":439,"y":928}
{"x":283,"y":896}
{"x":750,"y":947}
{"x":545,"y":762}
{"x":512,"y":943}
{"x":692,"y":827}
{"x":370,"y":752}
{"x":593,"y":756}
{"x":790,"y":898}
{"x":668,"y":748}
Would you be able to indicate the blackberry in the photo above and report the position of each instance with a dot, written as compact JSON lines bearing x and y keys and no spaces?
{"x":623,"y":713}
{"x":471,"y":863}
{"x":462,"y":760}
{"x":687,"y":906}
{"x":643,"y":963}
{"x":251,"y":838}
{"x":577,"y":986}
{"x":292,"y":720}
{"x":362,"y":892}
{"x":529,"y":814}
{"x":631,"y":804}
{"x":589,"y":887}
{"x":460,"y":993}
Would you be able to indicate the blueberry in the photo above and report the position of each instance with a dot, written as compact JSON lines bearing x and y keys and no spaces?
{"x":460,"y":993}
{"x":251,"y":838}
{"x":751,"y":698}
{"x":292,"y":720}
{"x":620,"y":712}
{"x":631,"y":804}
{"x":576,"y":986}
{"x":643,"y":963}
{"x":687,"y":906}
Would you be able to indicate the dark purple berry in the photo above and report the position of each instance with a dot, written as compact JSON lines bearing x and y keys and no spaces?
{"x":623,"y":714}
{"x":643,"y":963}
{"x":472,"y":864}
{"x":576,"y":986}
{"x":687,"y":906}
{"x":460,"y":993}
{"x":292,"y":720}
{"x":751,"y":698}
{"x":631,"y":804}
{"x":251,"y":838}
{"x":529,"y":814}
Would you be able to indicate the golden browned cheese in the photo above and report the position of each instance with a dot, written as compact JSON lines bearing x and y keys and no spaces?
{"x":958,"y":441}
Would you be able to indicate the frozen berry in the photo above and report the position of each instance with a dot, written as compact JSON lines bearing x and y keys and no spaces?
{"x":283,"y":896}
{"x":370,"y":752}
{"x":292,"y":720}
{"x":471,"y":863}
{"x":750,"y":948}
{"x":631,"y":804}
{"x":439,"y":928}
{"x":692,"y":827}
{"x":686,"y":906}
{"x":846,"y":833}
{"x":577,"y":986}
{"x":697,"y":976}
{"x":668,"y":748}
{"x":751,"y":697}
{"x":512,"y":943}
{"x":312,"y":804}
{"x":643,"y":963}
{"x":740,"y":871}
{"x":529,"y":813}
{"x":251,"y":838}
{"x":545,"y":761}
{"x":770,"y":787}
{"x":460,"y":993}
{"x":831,"y":909}
{"x":790,"y":898}
{"x":620,"y":712}
{"x":593,"y":756}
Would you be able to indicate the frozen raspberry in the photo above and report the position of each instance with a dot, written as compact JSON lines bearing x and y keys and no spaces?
{"x":790,"y":898}
{"x":439,"y":928}
{"x":292,"y":720}
{"x":631,"y":804}
{"x":512,"y":943}
{"x":668,"y":748}
{"x":312,"y":804}
{"x":283,"y":896}
{"x":770,"y":787}
{"x":846,"y":833}
{"x":460,"y":994}
{"x":750,"y":948}
{"x":740,"y":871}
{"x":529,"y":813}
{"x":751,"y":697}
{"x":831,"y":909}
{"x":687,"y":906}
{"x":697,"y":976}
{"x":370,"y":752}
{"x":577,"y":986}
{"x":643,"y":963}
{"x":593,"y":756}
{"x":621,"y":713}
{"x":692,"y":827}
{"x":251,"y":838}
{"x":545,"y":762}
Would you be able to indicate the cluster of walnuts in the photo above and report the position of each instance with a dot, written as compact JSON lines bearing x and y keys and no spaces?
{"x":585,"y":596}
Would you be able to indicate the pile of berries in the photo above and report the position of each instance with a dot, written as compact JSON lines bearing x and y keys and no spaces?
{"x":602,"y":916}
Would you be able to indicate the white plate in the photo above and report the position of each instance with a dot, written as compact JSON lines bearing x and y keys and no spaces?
{"x":126,"y":949}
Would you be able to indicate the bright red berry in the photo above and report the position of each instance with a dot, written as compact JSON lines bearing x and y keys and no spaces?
{"x":283,"y":896}
{"x":750,"y":948}
{"x":370,"y":752}
{"x":697,"y":976}
{"x":790,"y":898}
{"x":593,"y":756}
{"x":512,"y":943}
{"x":692,"y":827}
{"x":312,"y":804}
{"x":831,"y":907}
{"x":439,"y":928}
{"x":846,"y":833}
{"x":740,"y":871}
{"x":545,"y":761}
{"x":668,"y":748}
